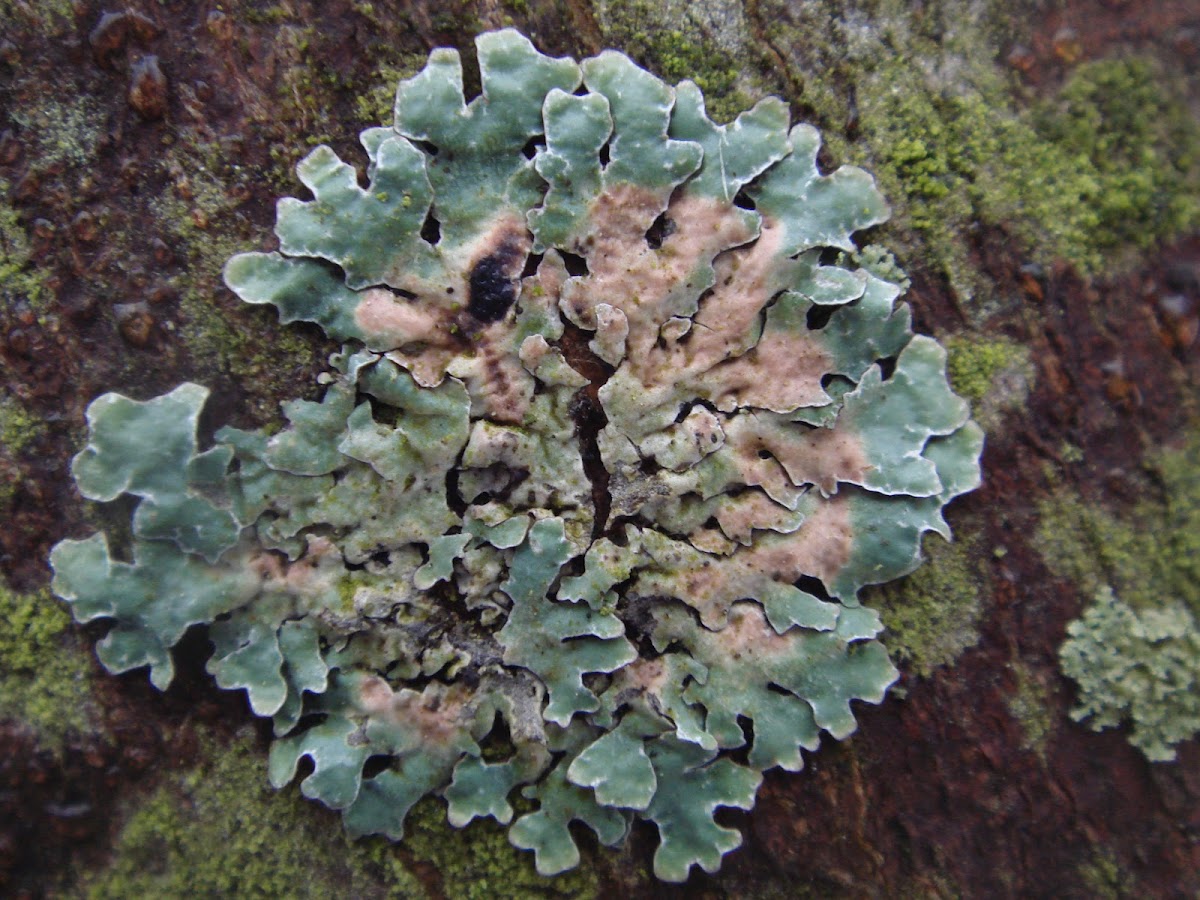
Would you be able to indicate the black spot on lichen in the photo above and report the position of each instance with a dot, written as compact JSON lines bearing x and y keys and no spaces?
{"x":493,"y":289}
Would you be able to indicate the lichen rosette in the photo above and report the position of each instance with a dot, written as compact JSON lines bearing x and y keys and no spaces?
{"x":610,"y":449}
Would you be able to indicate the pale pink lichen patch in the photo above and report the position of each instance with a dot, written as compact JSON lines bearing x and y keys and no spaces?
{"x":747,"y":633}
{"x":820,"y":456}
{"x":820,"y":547}
{"x":743,"y":514}
{"x":438,"y":715}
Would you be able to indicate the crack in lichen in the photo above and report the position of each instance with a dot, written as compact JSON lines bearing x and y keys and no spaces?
{"x":588,"y":414}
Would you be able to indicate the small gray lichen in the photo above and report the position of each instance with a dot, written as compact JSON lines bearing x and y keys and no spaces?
{"x":1136,"y":666}
{"x":598,"y":476}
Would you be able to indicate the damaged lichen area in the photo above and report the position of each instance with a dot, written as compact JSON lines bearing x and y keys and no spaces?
{"x":584,"y":512}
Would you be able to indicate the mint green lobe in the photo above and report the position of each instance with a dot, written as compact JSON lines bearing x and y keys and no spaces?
{"x":733,"y":154}
{"x":309,"y":445}
{"x":479,"y":171}
{"x":303,"y":290}
{"x":868,"y":329}
{"x":640,"y":152}
{"x":691,"y":788}
{"x":337,"y":764}
{"x":895,"y":419}
{"x":96,"y":586}
{"x":480,"y":789}
{"x":246,"y":654}
{"x":442,"y":553}
{"x":815,"y":210}
{"x":372,"y":233}
{"x":559,"y":641}
{"x":546,"y":831}
{"x":576,"y":130}
{"x":148,"y":449}
{"x":888,"y":530}
{"x":617,"y":768}
{"x":304,"y":670}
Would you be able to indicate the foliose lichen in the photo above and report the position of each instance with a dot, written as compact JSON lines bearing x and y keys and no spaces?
{"x":609,"y":452}
{"x":1140,"y":667}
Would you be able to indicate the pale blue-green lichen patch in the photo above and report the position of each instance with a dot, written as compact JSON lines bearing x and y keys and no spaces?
{"x":596,"y":480}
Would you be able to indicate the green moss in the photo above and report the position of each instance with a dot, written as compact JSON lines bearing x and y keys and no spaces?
{"x":1109,"y":163}
{"x":702,"y":42}
{"x":1102,"y":878}
{"x":974,"y":364}
{"x":1030,"y":704}
{"x":933,"y":615}
{"x":43,"y":675}
{"x":1148,"y":555}
{"x":18,"y":427}
{"x":220,"y":830}
{"x":20,"y":281}
{"x":1126,"y":125}
{"x":61,"y":131}
{"x":995,"y":374}
{"x":375,"y":106}
{"x":478,"y":862}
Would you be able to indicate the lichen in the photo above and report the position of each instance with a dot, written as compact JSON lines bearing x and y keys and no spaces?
{"x":596,"y":480}
{"x":43,"y":679}
{"x":1138,"y":667}
{"x":1133,"y":651}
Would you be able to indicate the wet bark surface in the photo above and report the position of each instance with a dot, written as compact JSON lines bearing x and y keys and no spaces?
{"x":936,"y":794}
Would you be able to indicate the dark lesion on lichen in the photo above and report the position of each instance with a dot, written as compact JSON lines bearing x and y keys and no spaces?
{"x":493,"y":282}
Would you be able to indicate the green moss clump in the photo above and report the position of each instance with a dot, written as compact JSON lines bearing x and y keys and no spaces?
{"x":702,"y":42}
{"x":973,"y":365}
{"x":933,"y":615}
{"x":1149,"y":556}
{"x":995,"y":374}
{"x":220,"y":831}
{"x":1128,"y":128}
{"x":375,"y":106}
{"x":1102,"y":877}
{"x":18,"y":427}
{"x":43,"y":676}
{"x":20,"y":281}
{"x":1030,"y":704}
{"x":61,"y":131}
